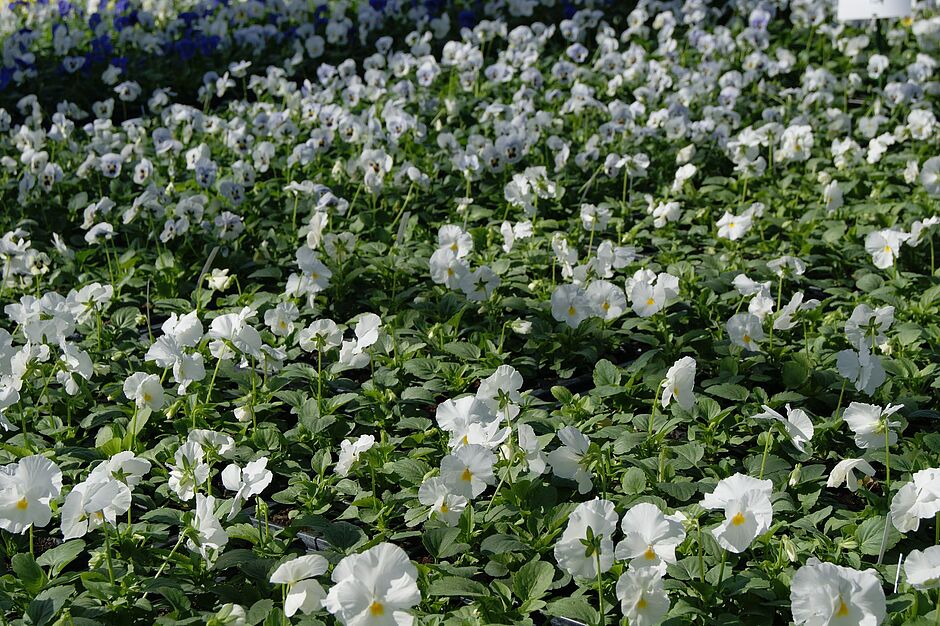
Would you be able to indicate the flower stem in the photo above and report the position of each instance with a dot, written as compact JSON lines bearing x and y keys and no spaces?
{"x":134,"y":430}
{"x":841,"y":393}
{"x":26,"y":442}
{"x":763,"y":460}
{"x":215,"y":373}
{"x":653,"y":410}
{"x":319,"y":380}
{"x":107,"y":552}
{"x":496,"y":491}
{"x":884,"y":536}
{"x":169,"y":556}
{"x":887,"y":463}
{"x":721,"y":568}
{"x":600,"y":588}
{"x":701,"y":553}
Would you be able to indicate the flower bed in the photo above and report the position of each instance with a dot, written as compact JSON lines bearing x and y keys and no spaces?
{"x":453,"y":313}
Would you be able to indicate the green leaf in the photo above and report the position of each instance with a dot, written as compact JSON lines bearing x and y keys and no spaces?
{"x":230,"y":558}
{"x":561,"y":394}
{"x":628,"y":441}
{"x":729,"y":391}
{"x":417,"y":394}
{"x":266,"y":437}
{"x":112,"y":446}
{"x":177,"y":599}
{"x":871,"y":533}
{"x":689,"y":455}
{"x":456,"y":586}
{"x":932,"y":441}
{"x":136,"y":424}
{"x":574,"y":609}
{"x":58,"y":557}
{"x":259,"y":610}
{"x":408,"y":471}
{"x":344,"y":535}
{"x":276,"y":618}
{"x":438,"y":540}
{"x":794,"y":374}
{"x":463,"y":350}
{"x":634,"y":481}
{"x":677,"y":490}
{"x":47,"y":604}
{"x":502,"y":544}
{"x":315,"y":425}
{"x":869,"y":282}
{"x":606,"y":373}
{"x":28,"y":572}
{"x":532,"y":580}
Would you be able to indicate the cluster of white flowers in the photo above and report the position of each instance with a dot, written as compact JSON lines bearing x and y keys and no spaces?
{"x":685,"y":190}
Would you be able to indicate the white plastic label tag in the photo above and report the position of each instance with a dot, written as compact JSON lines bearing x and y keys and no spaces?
{"x":871,"y":9}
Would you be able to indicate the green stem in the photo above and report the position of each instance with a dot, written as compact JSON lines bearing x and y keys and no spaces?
{"x":253,"y":394}
{"x":779,"y":295}
{"x":133,"y":434}
{"x":887,"y":462}
{"x":623,"y":190}
{"x":29,"y":446}
{"x":319,"y":379}
{"x":169,"y":556}
{"x":267,"y":528}
{"x":653,"y":411}
{"x":107,"y":552}
{"x":500,"y":484}
{"x":600,"y":588}
{"x":841,"y":393}
{"x":884,"y":536}
{"x":293,"y":217}
{"x":763,"y":460}
{"x":591,"y":239}
{"x":932,"y":270}
{"x":215,"y":373}
{"x":721,"y":568}
{"x":701,"y":552}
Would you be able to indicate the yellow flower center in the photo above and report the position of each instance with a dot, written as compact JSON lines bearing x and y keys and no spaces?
{"x":641,"y":603}
{"x":606,"y":306}
{"x":738,"y":518}
{"x":747,"y":339}
{"x":454,"y":247}
{"x":650,"y":554}
{"x":450,"y":271}
{"x":467,"y":475}
{"x":444,"y":508}
{"x":23,"y":504}
{"x":314,"y":275}
{"x":843,"y":610}
{"x":572,"y":311}
{"x":887,"y":248}
{"x":675,"y":391}
{"x":147,"y":397}
{"x":465,"y":440}
{"x":650,"y":302}
{"x":376,"y":608}
{"x":730,"y":224}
